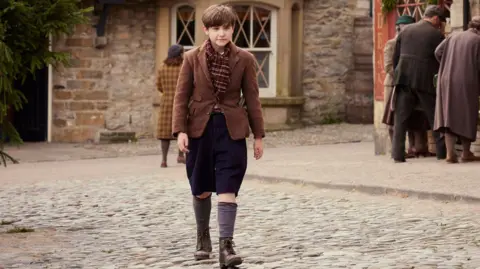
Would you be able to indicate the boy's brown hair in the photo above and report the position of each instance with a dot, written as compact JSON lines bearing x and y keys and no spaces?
{"x":219,"y":15}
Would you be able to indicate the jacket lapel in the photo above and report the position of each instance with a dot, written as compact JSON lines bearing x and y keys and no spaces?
{"x":233,"y":57}
{"x":202,"y":58}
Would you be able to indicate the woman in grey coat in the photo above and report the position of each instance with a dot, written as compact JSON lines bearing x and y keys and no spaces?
{"x":458,"y":90}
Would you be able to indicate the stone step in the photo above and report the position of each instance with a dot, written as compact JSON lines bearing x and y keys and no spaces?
{"x":116,"y":137}
{"x":362,"y":22}
{"x":359,"y":114}
{"x":363,"y":58}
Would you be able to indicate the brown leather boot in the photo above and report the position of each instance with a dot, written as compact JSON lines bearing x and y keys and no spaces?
{"x":204,"y":245}
{"x":227,"y":256}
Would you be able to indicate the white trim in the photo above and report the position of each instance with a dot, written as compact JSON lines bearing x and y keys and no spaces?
{"x":50,"y":96}
{"x":252,"y":19}
{"x":259,"y":49}
{"x":271,"y":91}
{"x":173,"y":24}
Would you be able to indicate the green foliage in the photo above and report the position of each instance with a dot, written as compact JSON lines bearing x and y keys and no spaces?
{"x":388,"y":6}
{"x":25,"y":28}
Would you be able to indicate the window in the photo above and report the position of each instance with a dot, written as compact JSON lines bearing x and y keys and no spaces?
{"x":414,"y":8}
{"x":183,"y":26}
{"x":255,"y":31}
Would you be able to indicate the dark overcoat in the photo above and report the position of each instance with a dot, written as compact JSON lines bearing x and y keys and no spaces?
{"x":414,"y":61}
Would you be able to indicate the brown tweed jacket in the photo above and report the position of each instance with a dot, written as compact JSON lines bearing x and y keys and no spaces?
{"x":166,"y":84}
{"x":195,"y":99}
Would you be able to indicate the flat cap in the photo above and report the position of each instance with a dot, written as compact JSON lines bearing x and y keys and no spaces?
{"x":405,"y":19}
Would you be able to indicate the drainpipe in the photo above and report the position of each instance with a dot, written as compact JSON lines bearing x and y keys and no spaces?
{"x":370,"y":10}
{"x":102,"y":8}
{"x":466,"y":14}
{"x":101,"y":39}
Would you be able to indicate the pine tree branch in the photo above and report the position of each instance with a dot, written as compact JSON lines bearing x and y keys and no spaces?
{"x":5,"y":156}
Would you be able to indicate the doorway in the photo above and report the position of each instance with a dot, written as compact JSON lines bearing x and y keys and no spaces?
{"x":31,"y":121}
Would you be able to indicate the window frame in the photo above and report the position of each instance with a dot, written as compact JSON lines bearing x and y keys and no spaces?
{"x":174,"y":25}
{"x":271,"y":91}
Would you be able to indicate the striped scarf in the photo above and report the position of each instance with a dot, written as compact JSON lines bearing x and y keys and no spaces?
{"x":219,"y":69}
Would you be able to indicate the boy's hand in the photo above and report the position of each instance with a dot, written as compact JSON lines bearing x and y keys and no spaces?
{"x":182,"y":142}
{"x":258,"y":148}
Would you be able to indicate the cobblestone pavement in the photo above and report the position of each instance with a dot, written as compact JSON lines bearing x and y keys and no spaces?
{"x":314,"y":135}
{"x":354,"y":166}
{"x":132,"y":219}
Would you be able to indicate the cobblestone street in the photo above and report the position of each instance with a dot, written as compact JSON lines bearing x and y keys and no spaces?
{"x":126,"y":213}
{"x":312,"y":135}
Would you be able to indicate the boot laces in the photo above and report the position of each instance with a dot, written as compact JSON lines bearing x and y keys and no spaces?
{"x":229,"y":244}
{"x":202,"y":238}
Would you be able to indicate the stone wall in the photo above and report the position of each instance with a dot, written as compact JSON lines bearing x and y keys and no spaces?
{"x":108,"y":89}
{"x":329,"y":60}
{"x":362,"y":9}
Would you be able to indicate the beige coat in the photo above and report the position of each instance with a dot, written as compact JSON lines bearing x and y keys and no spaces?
{"x":388,"y":63}
{"x":166,"y":84}
{"x":388,"y":82}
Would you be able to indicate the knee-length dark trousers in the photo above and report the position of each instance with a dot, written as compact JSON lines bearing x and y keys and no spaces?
{"x":215,"y":162}
{"x":407,"y":100}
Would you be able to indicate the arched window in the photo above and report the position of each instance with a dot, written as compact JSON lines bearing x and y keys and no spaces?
{"x":183,"y":26}
{"x":256,"y":31}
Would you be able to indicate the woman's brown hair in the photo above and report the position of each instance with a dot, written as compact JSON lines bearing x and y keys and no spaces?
{"x":175,"y":61}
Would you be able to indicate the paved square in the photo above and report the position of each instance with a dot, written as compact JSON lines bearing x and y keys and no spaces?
{"x":128,"y":213}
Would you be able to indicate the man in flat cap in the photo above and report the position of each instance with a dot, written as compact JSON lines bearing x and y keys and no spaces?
{"x":417,"y":137}
{"x":415,"y":66}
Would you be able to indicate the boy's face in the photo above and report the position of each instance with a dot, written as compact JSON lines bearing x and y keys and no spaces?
{"x":219,"y":35}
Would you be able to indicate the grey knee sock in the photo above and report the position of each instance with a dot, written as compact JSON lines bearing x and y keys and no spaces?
{"x":227,"y":213}
{"x":202,"y":208}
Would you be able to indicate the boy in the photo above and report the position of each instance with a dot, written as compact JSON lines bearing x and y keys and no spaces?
{"x":212,"y":127}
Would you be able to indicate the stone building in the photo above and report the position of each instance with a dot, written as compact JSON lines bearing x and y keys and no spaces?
{"x":458,"y":14}
{"x":314,"y":64}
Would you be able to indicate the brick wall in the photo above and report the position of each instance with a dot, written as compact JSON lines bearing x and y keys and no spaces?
{"x":108,"y":89}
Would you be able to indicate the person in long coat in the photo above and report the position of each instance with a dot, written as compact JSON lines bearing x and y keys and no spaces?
{"x":458,"y":90}
{"x":166,"y":84}
{"x":417,"y":124}
{"x":415,"y":66}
